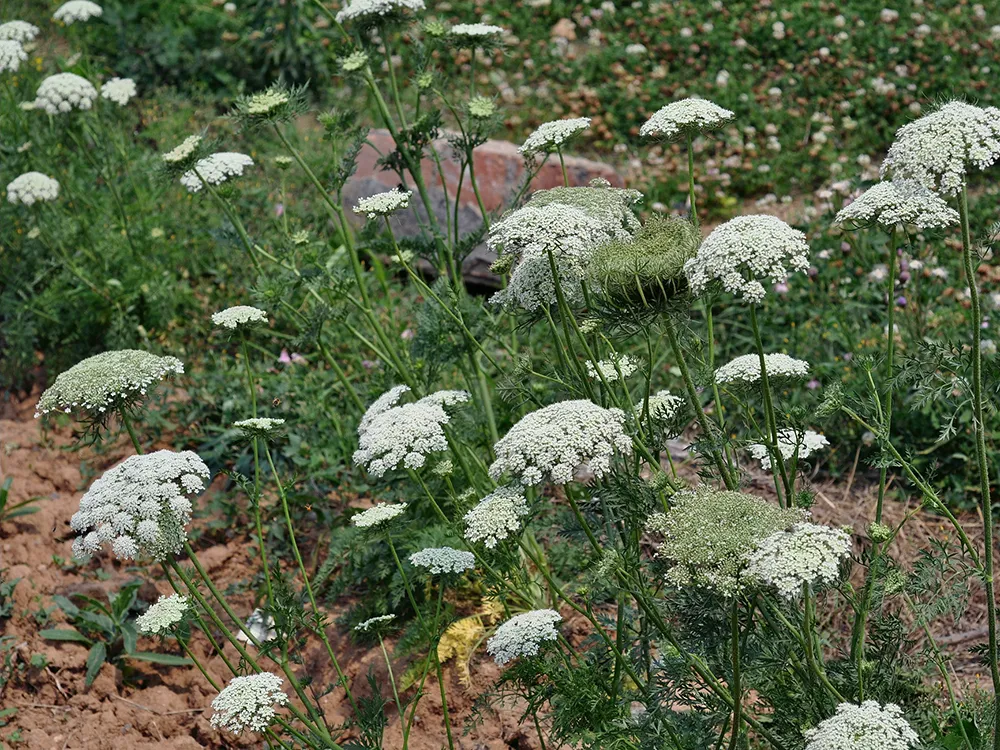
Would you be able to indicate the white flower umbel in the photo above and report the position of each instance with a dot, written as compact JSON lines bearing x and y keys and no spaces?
{"x":523,"y":635}
{"x":390,"y":434}
{"x":119,"y":90}
{"x":790,"y":441}
{"x":937,"y":149}
{"x":685,"y":117}
{"x":369,"y":10}
{"x":163,"y":615}
{"x":550,"y":136}
{"x":77,"y":10}
{"x":266,"y":102}
{"x":444,"y":560}
{"x":497,"y":516}
{"x":12,"y":54}
{"x":865,"y":727}
{"x":140,"y":506}
{"x":32,"y":187}
{"x":377,"y":515}
{"x":182,"y":152}
{"x":745,"y":370}
{"x":808,"y":553}
{"x":475,"y":31}
{"x":215,"y":170}
{"x":552,"y":442}
{"x":247,"y":703}
{"x":893,"y":202}
{"x":374,"y":622}
{"x":239,"y":318}
{"x":384,"y":204}
{"x":18,"y":31}
{"x":106,"y":382}
{"x":663,"y":406}
{"x":745,"y":250}
{"x":65,"y":92}
{"x":259,"y":427}
{"x":609,"y":368}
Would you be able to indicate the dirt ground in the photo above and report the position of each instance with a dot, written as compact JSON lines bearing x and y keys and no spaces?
{"x":168,"y":707}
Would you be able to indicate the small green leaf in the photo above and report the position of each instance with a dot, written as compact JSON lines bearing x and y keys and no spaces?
{"x":57,"y":634}
{"x":95,"y":660}
{"x":66,"y":605}
{"x":129,"y":637}
{"x":168,"y":659}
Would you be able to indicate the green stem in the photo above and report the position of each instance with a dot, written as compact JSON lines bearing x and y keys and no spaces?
{"x":690,"y":155}
{"x":562,"y":165}
{"x":131,"y":431}
{"x":777,"y":459}
{"x":736,"y":686}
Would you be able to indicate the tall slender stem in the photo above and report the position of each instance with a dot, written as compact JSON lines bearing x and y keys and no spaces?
{"x":777,"y":458}
{"x":127,"y":421}
{"x":562,"y":165}
{"x":735,"y":687}
{"x":690,"y":155}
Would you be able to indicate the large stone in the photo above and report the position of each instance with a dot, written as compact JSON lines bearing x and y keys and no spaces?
{"x":500,"y":171}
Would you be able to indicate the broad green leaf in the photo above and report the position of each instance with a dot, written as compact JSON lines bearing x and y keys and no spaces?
{"x":95,"y":660}
{"x":169,"y":659}
{"x":57,"y":634}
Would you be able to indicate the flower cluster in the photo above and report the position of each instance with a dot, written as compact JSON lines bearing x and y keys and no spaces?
{"x":18,"y":31}
{"x":893,"y":202}
{"x":391,"y":434}
{"x":608,"y":369}
{"x":745,"y":370}
{"x":685,"y":117}
{"x":377,"y":515}
{"x":373,"y":10}
{"x":247,"y":703}
{"x":106,"y":382}
{"x":663,"y":406}
{"x":140,"y":506}
{"x":12,"y":54}
{"x":444,"y":560}
{"x":808,"y":553}
{"x":790,"y":443}
{"x":552,"y":442}
{"x":215,"y":169}
{"x":258,"y":427}
{"x":497,"y":516}
{"x":865,"y":727}
{"x":523,"y":634}
{"x":936,"y":149}
{"x":239,"y":317}
{"x":551,"y":136}
{"x":163,"y":615}
{"x":475,"y":30}
{"x":64,"y":92}
{"x":77,"y":10}
{"x":32,"y":187}
{"x":383,"y":204}
{"x":374,"y":622}
{"x":353,"y":62}
{"x":745,"y":250}
{"x":183,"y":151}
{"x":119,"y":90}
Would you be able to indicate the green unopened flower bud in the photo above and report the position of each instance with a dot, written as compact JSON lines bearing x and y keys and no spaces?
{"x":659,"y":481}
{"x":894,"y":582}
{"x":353,"y":62}
{"x":435,"y":29}
{"x":481,"y":107}
{"x":300,"y":238}
{"x":503,"y":264}
{"x":425,"y":80}
{"x":283,"y":162}
{"x":879,"y":532}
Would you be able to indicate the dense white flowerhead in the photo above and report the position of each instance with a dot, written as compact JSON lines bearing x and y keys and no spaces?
{"x":790,"y":443}
{"x":893,"y":202}
{"x":684,"y":117}
{"x":65,"y":92}
{"x":119,"y":90}
{"x":550,"y":136}
{"x":383,"y":204}
{"x":215,"y":169}
{"x":77,"y":10}
{"x":377,"y":515}
{"x":259,"y":427}
{"x":183,"y":151}
{"x":608,"y":369}
{"x":663,"y":406}
{"x":32,"y":187}
{"x":373,"y":10}
{"x":391,"y":434}
{"x":141,"y":506}
{"x":745,"y":370}
{"x":444,"y":560}
{"x":745,"y":250}
{"x":865,"y":727}
{"x":247,"y":703}
{"x":475,"y":30}
{"x":18,"y":31}
{"x":523,"y":635}
{"x":12,"y":54}
{"x":163,"y":615}
{"x":239,"y":318}
{"x":552,"y":442}
{"x":106,"y":382}
{"x":375,"y":623}
{"x":808,"y":553}
{"x":937,"y":149}
{"x":497,"y":516}
{"x":266,"y":102}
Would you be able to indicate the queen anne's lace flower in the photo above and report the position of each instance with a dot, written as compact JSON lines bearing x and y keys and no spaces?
{"x":663,"y":406}
{"x":550,"y":136}
{"x":383,"y":204}
{"x":64,"y":92}
{"x":77,"y":10}
{"x":609,"y":368}
{"x":374,"y":622}
{"x":936,"y":149}
{"x":366,"y":10}
{"x":684,"y":117}
{"x":377,"y":515}
{"x":32,"y":187}
{"x":865,"y":727}
{"x":789,"y":441}
{"x":444,"y":560}
{"x":808,"y":553}
{"x":354,"y":61}
{"x":119,"y":90}
{"x":497,"y":516}
{"x":18,"y":31}
{"x":239,"y":317}
{"x":745,"y":370}
{"x":553,"y":441}
{"x":475,"y":30}
{"x":215,"y":170}
{"x":745,"y":250}
{"x":259,"y":427}
{"x":106,"y":382}
{"x":266,"y":102}
{"x":893,"y":202}
{"x":140,"y":506}
{"x":391,"y":434}
{"x":12,"y":54}
{"x":247,"y":703}
{"x":523,"y":634}
{"x":163,"y":615}
{"x":180,"y":153}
